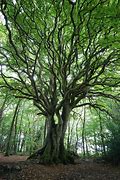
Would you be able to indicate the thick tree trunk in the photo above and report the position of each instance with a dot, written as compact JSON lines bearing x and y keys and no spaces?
{"x":53,"y":150}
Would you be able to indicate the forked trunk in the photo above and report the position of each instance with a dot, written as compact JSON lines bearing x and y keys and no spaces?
{"x":53,"y":150}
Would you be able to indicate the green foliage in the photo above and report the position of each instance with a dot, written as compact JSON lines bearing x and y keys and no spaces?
{"x":56,"y":55}
{"x":27,"y":132}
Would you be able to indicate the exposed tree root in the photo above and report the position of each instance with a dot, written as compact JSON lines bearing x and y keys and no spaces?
{"x":43,"y":158}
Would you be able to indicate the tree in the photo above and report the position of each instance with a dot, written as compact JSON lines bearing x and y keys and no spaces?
{"x":2,"y":108}
{"x":11,"y":128}
{"x":57,"y":53}
{"x":113,"y":140}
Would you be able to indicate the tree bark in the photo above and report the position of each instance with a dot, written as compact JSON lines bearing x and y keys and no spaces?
{"x":11,"y":129}
{"x":53,"y":150}
{"x":2,"y":108}
{"x":50,"y":153}
{"x":102,"y":136}
{"x":83,"y":134}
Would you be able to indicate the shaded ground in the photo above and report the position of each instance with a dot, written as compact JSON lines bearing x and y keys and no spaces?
{"x":16,"y":168}
{"x":12,"y":158}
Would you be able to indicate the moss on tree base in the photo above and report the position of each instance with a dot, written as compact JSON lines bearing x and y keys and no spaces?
{"x":43,"y":157}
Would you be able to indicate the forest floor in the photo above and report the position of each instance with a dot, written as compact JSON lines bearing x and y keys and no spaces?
{"x":17,"y":168}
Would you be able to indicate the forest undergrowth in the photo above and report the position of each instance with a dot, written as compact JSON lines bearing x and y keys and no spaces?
{"x":16,"y":167}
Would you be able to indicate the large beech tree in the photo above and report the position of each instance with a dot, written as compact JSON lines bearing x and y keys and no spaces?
{"x":58,"y":53}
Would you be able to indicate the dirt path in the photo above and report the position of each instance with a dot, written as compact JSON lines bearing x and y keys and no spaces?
{"x":14,"y":169}
{"x":13,"y":158}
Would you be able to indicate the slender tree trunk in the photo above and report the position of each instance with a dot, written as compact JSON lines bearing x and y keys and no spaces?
{"x":11,"y":130}
{"x":83,"y":134}
{"x":95,"y":143}
{"x":22,"y":145}
{"x":102,"y":136}
{"x":86,"y":142}
{"x":2,"y":108}
{"x":20,"y":133}
{"x":2,"y":140}
{"x":15,"y":133}
{"x":77,"y":137}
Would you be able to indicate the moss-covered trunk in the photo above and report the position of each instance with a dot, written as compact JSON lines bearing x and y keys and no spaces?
{"x":53,"y":150}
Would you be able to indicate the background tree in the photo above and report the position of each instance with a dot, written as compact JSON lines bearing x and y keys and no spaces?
{"x":56,"y":54}
{"x":113,"y":140}
{"x":21,"y":133}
